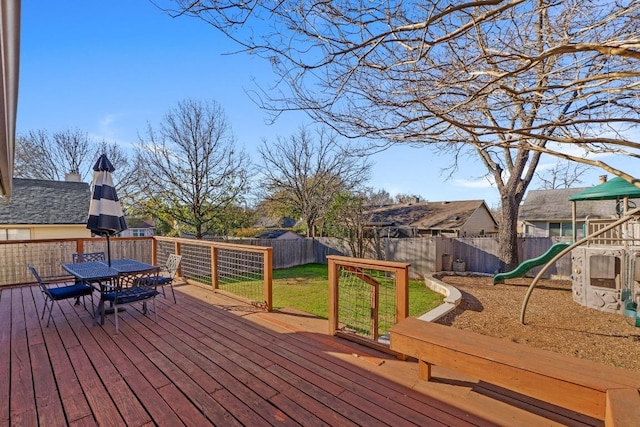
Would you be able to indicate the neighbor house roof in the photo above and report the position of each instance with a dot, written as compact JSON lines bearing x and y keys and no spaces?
{"x":37,"y":201}
{"x":275,"y":222}
{"x":277,"y":234}
{"x":140,"y":223}
{"x":447,"y":215}
{"x":543,"y":205}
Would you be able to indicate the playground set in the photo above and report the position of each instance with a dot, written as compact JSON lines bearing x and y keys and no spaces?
{"x":605,"y":264}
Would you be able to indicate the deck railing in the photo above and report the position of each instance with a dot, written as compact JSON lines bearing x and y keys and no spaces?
{"x":48,"y":255}
{"x":242,"y":270}
{"x":366,"y":298}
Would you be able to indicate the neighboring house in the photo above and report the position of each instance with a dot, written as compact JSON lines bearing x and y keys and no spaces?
{"x":45,"y":210}
{"x":275,"y":222}
{"x":462,"y":218}
{"x":278,"y":235}
{"x":548,"y":213}
{"x":139,"y":227}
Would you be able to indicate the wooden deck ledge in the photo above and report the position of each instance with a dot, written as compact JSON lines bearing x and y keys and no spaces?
{"x":599,"y":391}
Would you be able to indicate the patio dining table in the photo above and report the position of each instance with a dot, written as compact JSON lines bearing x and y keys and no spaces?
{"x":103,"y":274}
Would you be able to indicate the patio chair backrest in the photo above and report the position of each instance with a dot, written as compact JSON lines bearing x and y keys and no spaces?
{"x":140,"y":278}
{"x":89,"y":256}
{"x":35,"y":273}
{"x":171,"y":267}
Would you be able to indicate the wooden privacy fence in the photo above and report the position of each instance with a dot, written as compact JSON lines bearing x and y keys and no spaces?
{"x":425,"y":254}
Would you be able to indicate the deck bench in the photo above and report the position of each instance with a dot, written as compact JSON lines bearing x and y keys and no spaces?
{"x":600,"y":391}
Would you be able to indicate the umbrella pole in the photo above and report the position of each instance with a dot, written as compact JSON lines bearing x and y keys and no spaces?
{"x":108,"y":251}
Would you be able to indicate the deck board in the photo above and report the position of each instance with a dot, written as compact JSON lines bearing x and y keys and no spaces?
{"x":211,"y":360}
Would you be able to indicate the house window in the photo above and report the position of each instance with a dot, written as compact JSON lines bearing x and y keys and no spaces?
{"x":560,"y":229}
{"x":15,"y":234}
{"x":137,"y":232}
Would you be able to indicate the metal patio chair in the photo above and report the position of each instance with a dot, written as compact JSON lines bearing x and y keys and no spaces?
{"x":57,"y":293}
{"x":168,"y":274}
{"x":131,"y":288}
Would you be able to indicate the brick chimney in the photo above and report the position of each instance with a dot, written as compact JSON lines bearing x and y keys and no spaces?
{"x":72,"y":177}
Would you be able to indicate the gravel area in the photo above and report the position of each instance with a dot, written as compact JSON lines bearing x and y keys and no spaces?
{"x":553,"y":320}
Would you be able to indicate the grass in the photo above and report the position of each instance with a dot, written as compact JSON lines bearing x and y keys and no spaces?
{"x":306,"y":288}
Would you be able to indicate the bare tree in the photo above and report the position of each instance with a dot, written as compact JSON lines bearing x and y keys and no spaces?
{"x":379,"y":197}
{"x":40,"y":155}
{"x":191,"y":170}
{"x":563,"y":174}
{"x":303,"y":174}
{"x":408,"y":198}
{"x":349,"y":218}
{"x":126,"y":174}
{"x":499,"y":82}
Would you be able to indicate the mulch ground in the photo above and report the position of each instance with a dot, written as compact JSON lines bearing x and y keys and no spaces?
{"x":553,"y":320}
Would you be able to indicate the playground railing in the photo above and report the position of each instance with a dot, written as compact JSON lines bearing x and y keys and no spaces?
{"x":624,"y":234}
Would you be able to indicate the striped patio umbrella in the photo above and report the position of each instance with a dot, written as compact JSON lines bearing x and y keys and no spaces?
{"x":105,"y":211}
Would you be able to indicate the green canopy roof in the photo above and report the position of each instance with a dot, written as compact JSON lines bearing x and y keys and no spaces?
{"x":614,"y":188}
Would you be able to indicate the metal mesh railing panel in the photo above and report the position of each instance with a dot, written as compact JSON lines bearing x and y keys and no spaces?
{"x":241,"y":273}
{"x":360,"y":310}
{"x":45,"y":256}
{"x":163,"y":250}
{"x":196,"y":263}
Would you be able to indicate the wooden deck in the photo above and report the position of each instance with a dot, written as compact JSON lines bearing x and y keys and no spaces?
{"x":210,"y":360}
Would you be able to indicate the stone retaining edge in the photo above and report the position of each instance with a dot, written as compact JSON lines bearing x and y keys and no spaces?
{"x":452,"y":297}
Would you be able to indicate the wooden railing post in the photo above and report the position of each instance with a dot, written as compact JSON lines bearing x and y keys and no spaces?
{"x":402,"y":293}
{"x":333,"y":295}
{"x":214,"y":267}
{"x":177,"y":248}
{"x":268,"y":278}
{"x":154,"y":252}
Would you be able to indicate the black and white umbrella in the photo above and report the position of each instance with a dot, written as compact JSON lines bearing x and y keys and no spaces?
{"x":105,"y":211}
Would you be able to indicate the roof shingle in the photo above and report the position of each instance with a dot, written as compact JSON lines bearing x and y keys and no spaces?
{"x":37,"y":201}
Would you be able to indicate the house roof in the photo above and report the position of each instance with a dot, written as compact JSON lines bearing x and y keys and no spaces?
{"x":542,"y":205}
{"x":275,"y":222}
{"x":274,"y":234}
{"x":140,"y":223}
{"x":446,"y":215}
{"x":37,"y":201}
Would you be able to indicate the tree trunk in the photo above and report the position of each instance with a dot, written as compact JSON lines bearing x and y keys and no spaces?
{"x":508,"y":233}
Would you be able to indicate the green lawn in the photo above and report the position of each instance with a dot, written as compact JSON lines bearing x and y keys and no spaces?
{"x":306,"y":288}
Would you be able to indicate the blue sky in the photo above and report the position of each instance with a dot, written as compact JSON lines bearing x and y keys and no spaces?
{"x":109,"y":68}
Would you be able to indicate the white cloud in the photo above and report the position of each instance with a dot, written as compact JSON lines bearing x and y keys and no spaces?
{"x":485,"y":182}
